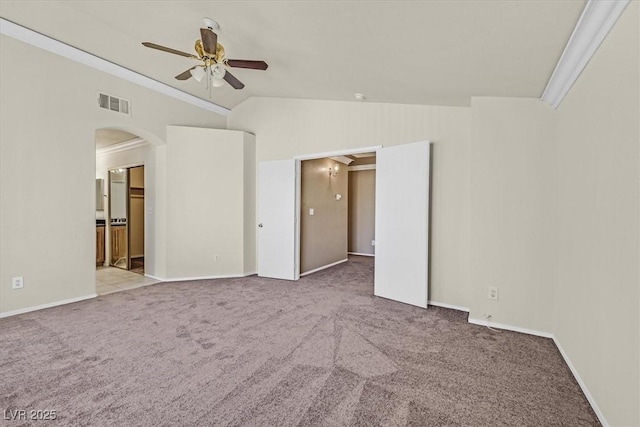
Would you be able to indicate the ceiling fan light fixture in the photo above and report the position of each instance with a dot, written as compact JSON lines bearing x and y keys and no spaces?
{"x":218,"y":71}
{"x":198,"y":73}
{"x":217,"y":82}
{"x":211,"y":24}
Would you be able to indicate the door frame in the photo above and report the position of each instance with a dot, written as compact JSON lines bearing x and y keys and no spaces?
{"x":107,"y":217}
{"x":299,"y":159}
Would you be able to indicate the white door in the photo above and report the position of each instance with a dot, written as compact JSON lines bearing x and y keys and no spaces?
{"x":402,"y":223}
{"x":277,"y":220}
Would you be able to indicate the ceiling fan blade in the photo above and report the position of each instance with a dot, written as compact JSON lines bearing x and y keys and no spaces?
{"x":209,"y":40}
{"x":233,"y":81}
{"x":168,"y":49}
{"x":241,"y":63}
{"x":186,"y":75}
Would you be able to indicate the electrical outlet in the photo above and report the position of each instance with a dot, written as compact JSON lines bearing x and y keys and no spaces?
{"x":373,"y":243}
{"x":17,"y":282}
{"x":493,"y":293}
{"x":216,"y":257}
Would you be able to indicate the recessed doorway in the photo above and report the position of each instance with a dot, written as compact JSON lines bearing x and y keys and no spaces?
{"x":120,"y":217}
{"x":337,"y":210}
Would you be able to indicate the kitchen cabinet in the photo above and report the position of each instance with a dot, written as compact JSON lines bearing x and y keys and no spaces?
{"x":99,"y":245}
{"x":119,"y":246}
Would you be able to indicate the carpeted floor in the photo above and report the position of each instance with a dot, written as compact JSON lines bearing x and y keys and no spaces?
{"x":252,"y":351}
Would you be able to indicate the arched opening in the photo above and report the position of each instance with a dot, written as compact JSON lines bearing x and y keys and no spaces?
{"x":125,"y":201}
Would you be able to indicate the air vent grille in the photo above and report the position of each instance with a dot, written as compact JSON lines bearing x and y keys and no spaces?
{"x":113,"y":103}
{"x":103,"y":101}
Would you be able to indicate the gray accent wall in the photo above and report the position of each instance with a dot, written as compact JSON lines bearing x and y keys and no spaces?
{"x":362,"y":211}
{"x":323,"y":235}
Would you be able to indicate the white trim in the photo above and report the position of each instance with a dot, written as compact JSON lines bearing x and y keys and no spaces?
{"x":597,"y":19}
{"x":495,"y":325}
{"x":342,"y":159}
{"x":361,"y":168}
{"x":125,"y":166}
{"x":360,"y":254}
{"x":48,"y":305}
{"x":581,"y":383}
{"x":122,"y":146}
{"x":445,"y":305}
{"x":315,"y":270}
{"x":188,"y":279}
{"x":337,"y":153}
{"x":298,"y":220}
{"x":41,"y":41}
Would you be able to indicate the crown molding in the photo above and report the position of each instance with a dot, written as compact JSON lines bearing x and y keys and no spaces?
{"x":597,"y":19}
{"x":122,"y":146}
{"x":362,"y":168}
{"x":41,"y":41}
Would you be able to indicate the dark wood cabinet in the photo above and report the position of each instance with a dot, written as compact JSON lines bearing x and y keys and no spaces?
{"x":99,"y":245}
{"x":119,"y":246}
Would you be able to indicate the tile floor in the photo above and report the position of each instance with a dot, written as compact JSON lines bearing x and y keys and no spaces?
{"x":111,"y":279}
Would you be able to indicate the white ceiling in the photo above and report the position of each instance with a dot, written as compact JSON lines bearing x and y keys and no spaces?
{"x":410,"y":52}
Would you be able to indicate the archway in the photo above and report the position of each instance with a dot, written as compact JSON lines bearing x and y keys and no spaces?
{"x":125,"y":184}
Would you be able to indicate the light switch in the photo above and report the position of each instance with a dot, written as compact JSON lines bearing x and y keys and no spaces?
{"x":311,"y":212}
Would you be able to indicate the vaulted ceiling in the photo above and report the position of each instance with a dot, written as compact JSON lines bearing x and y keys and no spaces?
{"x":410,"y":52}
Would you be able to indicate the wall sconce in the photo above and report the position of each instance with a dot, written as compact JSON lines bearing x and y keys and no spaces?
{"x":334,"y":170}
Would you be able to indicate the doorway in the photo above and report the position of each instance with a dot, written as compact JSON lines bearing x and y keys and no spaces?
{"x":337,"y":210}
{"x":120,"y":219}
{"x":402,"y":206}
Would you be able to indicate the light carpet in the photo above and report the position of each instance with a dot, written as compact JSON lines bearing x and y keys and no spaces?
{"x":253,"y":351}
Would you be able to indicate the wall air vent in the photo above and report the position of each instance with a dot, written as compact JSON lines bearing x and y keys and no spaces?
{"x":119,"y":105}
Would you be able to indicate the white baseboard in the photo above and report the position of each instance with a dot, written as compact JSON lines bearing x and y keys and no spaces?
{"x":445,"y":305}
{"x":188,"y":279}
{"x":581,"y":383}
{"x":323,"y":267}
{"x":359,"y":254}
{"x":483,"y":322}
{"x":48,"y":305}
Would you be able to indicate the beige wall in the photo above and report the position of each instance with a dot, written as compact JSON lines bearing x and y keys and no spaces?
{"x":362,"y":211}
{"x":596,"y":315}
{"x":513,"y":208}
{"x":48,"y":118}
{"x":285,"y":128}
{"x":205,"y":203}
{"x":323,"y":235}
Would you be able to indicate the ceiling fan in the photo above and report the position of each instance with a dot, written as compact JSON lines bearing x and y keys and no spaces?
{"x":214,"y":63}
